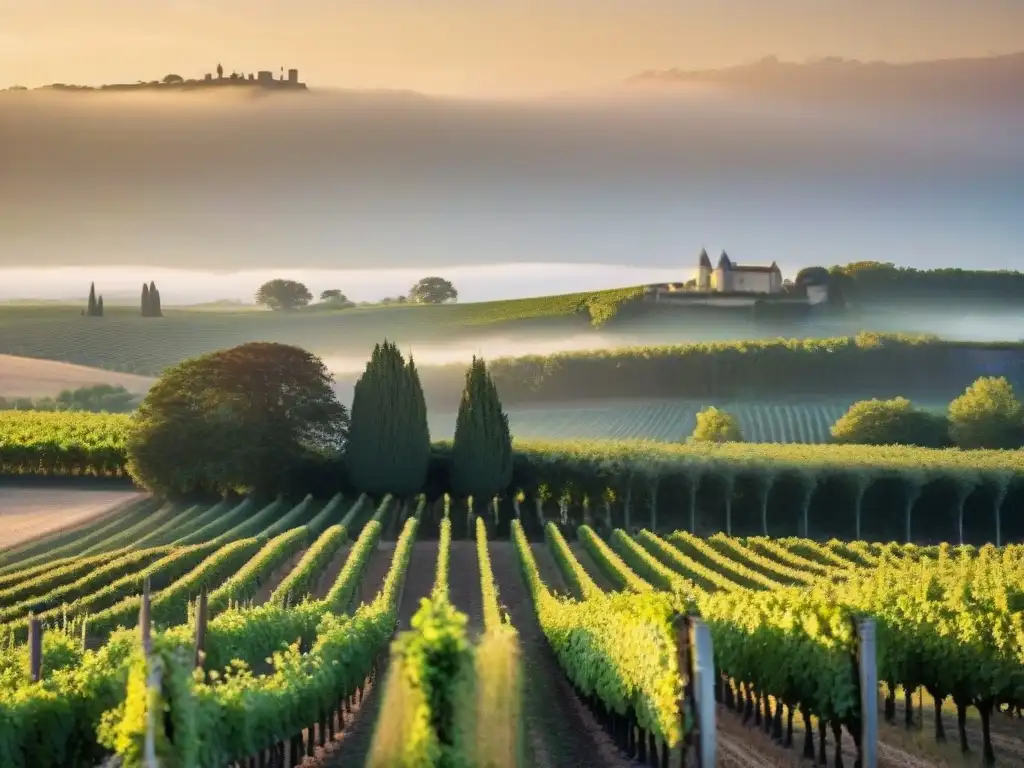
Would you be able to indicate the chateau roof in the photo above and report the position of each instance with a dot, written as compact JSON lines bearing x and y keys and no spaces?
{"x":704,"y":262}
{"x":724,"y":262}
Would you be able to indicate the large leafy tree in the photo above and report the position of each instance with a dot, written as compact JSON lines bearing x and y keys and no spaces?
{"x":283,"y":294}
{"x":482,"y":452}
{"x":891,"y":422}
{"x":716,"y":426}
{"x":388,"y":449}
{"x":236,"y":419}
{"x":433,"y":290}
{"x":987,"y":415}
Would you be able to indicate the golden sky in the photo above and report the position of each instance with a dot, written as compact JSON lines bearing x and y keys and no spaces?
{"x":476,"y":46}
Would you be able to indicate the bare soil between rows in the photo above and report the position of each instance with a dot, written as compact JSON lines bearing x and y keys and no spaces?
{"x":560,"y":731}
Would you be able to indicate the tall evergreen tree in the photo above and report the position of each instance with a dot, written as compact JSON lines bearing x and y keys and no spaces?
{"x":482,"y":452}
{"x":154,"y":301}
{"x":91,"y":309}
{"x":388,"y":447}
{"x":99,"y":306}
{"x":147,"y":307}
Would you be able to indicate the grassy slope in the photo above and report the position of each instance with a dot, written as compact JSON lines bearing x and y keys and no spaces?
{"x":124,"y":341}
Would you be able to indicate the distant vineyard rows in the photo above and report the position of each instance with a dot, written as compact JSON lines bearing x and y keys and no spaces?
{"x":665,"y":421}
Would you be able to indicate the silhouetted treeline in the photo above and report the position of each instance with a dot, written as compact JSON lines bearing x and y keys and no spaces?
{"x":872,"y":281}
{"x":868,"y":365}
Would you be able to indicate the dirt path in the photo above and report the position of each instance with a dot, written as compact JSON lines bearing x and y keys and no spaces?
{"x":326,"y":579}
{"x":464,"y":585}
{"x":351,"y":748}
{"x":591,"y":567}
{"x":280,"y":574}
{"x":560,"y":732}
{"x":1007,"y":734}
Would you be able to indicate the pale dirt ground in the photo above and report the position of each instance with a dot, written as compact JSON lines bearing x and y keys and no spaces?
{"x":29,"y":512}
{"x":27,"y":377}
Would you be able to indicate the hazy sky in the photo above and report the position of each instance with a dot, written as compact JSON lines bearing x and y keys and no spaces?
{"x":476,"y":45}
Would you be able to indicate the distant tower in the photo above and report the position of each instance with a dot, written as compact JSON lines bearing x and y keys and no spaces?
{"x":220,"y":72}
{"x":704,"y":272}
{"x":774,"y":278}
{"x":293,"y":76}
{"x":723,"y":278}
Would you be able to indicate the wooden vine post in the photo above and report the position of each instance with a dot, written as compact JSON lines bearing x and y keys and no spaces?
{"x":35,"y":649}
{"x":153,"y":678}
{"x":695,"y":659}
{"x":201,"y":619}
{"x":867,"y":669}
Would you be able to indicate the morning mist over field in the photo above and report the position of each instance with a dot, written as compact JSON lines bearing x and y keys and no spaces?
{"x":364,"y":191}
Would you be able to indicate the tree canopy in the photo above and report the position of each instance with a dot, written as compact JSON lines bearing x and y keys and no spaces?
{"x":987,"y":415}
{"x":283,"y":294}
{"x":433,"y":290}
{"x":716,"y":426}
{"x":482,"y":451}
{"x":234,"y":419}
{"x":389,"y":446}
{"x":891,"y":422}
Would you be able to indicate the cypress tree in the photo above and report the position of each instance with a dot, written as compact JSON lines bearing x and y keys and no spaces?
{"x":388,"y":447}
{"x":91,"y":309}
{"x":154,"y":301}
{"x":147,"y":310}
{"x":481,"y":464}
{"x":99,"y":307}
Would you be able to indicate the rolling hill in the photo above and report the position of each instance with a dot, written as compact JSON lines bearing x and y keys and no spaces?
{"x":29,"y":377}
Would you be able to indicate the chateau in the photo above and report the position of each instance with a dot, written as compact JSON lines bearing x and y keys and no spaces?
{"x":735,"y":285}
{"x":729,"y":277}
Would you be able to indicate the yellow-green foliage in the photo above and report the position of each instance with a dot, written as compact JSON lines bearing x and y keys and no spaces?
{"x":987,"y":415}
{"x":620,"y":648}
{"x":498,"y":733}
{"x":600,"y":306}
{"x":498,"y":738}
{"x":716,"y":426}
{"x":434,"y":662}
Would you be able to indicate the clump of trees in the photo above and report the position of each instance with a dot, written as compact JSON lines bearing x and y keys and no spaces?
{"x":716,"y":426}
{"x":151,"y":301}
{"x":101,"y":398}
{"x":388,"y":449}
{"x":987,"y":415}
{"x":889,"y":422}
{"x":237,"y":419}
{"x":433,"y":290}
{"x":283,"y":295}
{"x":335,"y":299}
{"x":288,"y":295}
{"x":94,"y":307}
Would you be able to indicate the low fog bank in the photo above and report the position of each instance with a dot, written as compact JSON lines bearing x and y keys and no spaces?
{"x":343,"y":180}
{"x":185,"y":287}
{"x":966,"y":325}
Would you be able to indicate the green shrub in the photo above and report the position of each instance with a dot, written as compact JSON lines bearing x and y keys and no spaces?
{"x":891,"y":422}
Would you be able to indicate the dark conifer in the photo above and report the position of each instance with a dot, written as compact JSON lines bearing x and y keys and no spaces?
{"x":389,"y":441}
{"x":91,"y":309}
{"x":147,"y":309}
{"x":154,"y":301}
{"x":99,"y":307}
{"x":482,"y":451}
